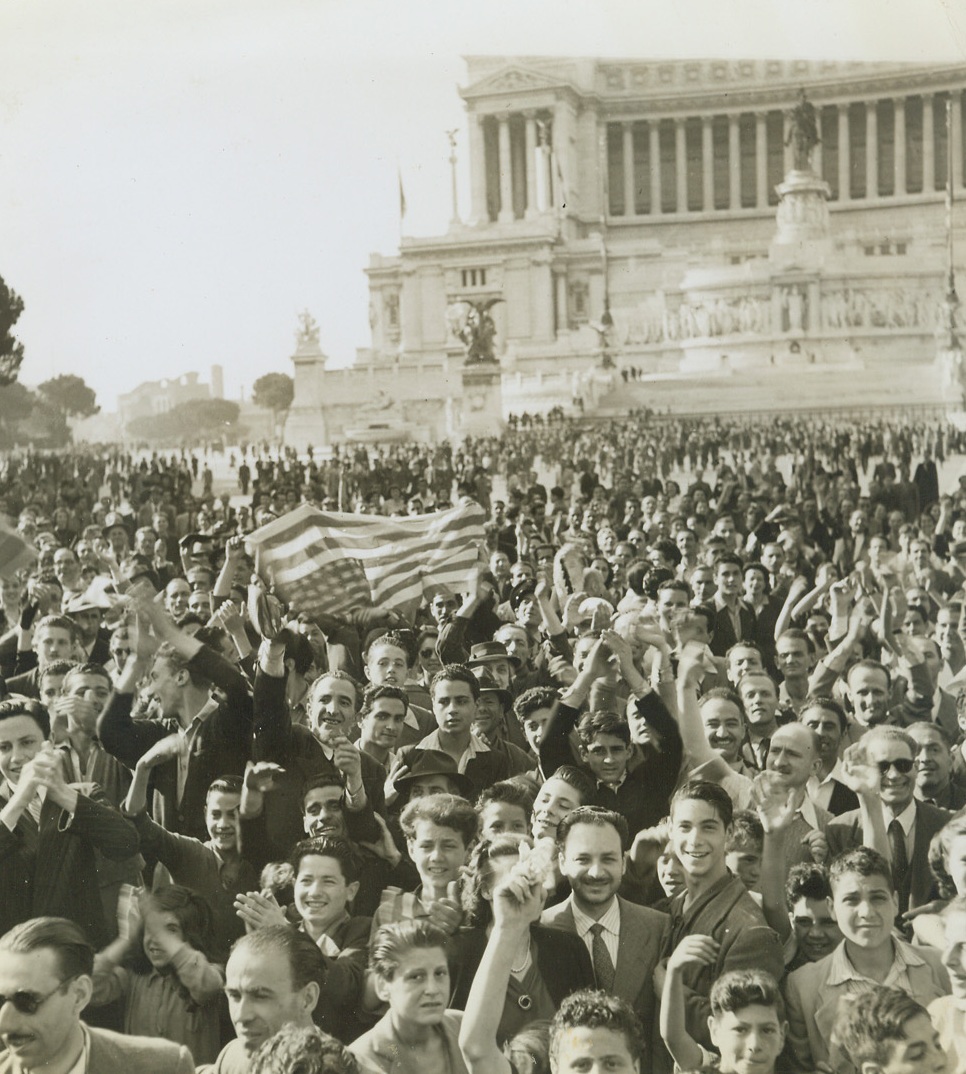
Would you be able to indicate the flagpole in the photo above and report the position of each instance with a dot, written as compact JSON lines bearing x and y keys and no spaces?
{"x":952,"y":299}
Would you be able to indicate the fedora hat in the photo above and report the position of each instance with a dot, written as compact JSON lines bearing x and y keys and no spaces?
{"x":435,"y":763}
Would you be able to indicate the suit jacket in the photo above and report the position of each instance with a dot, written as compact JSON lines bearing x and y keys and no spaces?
{"x":843,"y":800}
{"x":563,"y":961}
{"x":50,"y":869}
{"x":222,"y":745}
{"x":724,"y":632}
{"x":813,"y":993}
{"x":639,"y":951}
{"x":379,"y":1050}
{"x":845,"y":833}
{"x":117,"y":1053}
{"x":728,"y":914}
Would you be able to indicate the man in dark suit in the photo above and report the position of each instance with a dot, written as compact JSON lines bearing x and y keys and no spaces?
{"x":210,"y":735}
{"x":46,"y":965}
{"x":910,"y":825}
{"x":624,"y":940}
{"x":734,"y":620}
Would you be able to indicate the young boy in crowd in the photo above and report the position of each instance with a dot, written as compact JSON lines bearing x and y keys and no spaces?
{"x":747,"y":1021}
{"x":743,"y":850}
{"x":864,"y":904}
{"x":885,"y":1031}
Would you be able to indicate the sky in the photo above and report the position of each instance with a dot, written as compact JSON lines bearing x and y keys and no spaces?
{"x":180,"y":178}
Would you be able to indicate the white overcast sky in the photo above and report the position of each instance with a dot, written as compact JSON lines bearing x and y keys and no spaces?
{"x":178,"y":178}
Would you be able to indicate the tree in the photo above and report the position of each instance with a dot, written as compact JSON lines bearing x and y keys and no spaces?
{"x":69,"y":395}
{"x":274,"y":392}
{"x":11,"y":350}
{"x":197,"y":419}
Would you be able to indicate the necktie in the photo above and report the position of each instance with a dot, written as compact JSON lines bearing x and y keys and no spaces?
{"x":763,"y":747}
{"x":900,"y":859}
{"x":603,"y":966}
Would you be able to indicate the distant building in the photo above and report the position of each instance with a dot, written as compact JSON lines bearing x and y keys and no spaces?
{"x":649,"y":214}
{"x":161,"y":396}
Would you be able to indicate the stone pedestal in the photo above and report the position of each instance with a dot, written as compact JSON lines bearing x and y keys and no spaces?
{"x":481,"y":413}
{"x":802,"y":237}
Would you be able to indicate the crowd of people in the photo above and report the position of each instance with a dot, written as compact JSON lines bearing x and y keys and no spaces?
{"x":675,"y":779}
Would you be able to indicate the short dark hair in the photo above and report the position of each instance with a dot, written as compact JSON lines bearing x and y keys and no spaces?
{"x":602,"y":722}
{"x":302,"y":1050}
{"x":738,"y":989}
{"x":597,"y":817}
{"x":507,"y":791}
{"x":746,"y":830}
{"x":230,"y":784}
{"x":59,"y":667}
{"x":89,"y":668}
{"x":871,"y":1023}
{"x":595,"y":1009}
{"x":807,"y":881}
{"x":456,"y":673}
{"x":537,"y":697}
{"x":75,"y":955}
{"x":728,"y":557}
{"x":864,"y":861}
{"x":374,"y":693}
{"x":814,"y":701}
{"x":342,"y":676}
{"x":576,"y":778}
{"x":306,"y":961}
{"x":444,"y":810}
{"x":478,"y":872}
{"x":24,"y":706}
{"x":325,"y":846}
{"x":703,"y":790}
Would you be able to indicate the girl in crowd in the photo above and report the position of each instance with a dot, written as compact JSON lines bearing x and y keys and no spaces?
{"x":417,"y":1035}
{"x":160,"y":967}
{"x":550,"y":964}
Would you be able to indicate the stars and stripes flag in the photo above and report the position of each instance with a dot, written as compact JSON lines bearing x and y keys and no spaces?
{"x":331,"y":562}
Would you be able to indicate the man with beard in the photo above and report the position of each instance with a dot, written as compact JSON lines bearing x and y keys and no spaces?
{"x":624,"y":940}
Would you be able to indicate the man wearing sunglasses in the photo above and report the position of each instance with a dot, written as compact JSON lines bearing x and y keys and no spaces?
{"x":910,"y":824}
{"x":46,"y":965}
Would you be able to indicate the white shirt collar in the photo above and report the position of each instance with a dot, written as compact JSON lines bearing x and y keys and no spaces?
{"x":477,"y":745}
{"x":907,"y":818}
{"x":807,"y":812}
{"x":611,"y":921}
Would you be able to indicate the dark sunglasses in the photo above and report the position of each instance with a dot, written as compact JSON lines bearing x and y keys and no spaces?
{"x":903,"y":765}
{"x":427,"y":652}
{"x":30,"y":1002}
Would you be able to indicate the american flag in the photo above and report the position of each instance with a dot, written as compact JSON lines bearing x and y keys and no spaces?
{"x":331,"y":562}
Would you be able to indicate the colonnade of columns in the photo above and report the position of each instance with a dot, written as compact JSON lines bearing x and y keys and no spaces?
{"x":869,"y":149}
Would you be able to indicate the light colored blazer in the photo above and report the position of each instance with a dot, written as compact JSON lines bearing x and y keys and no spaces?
{"x":640,"y":943}
{"x":115,"y":1053}
{"x":379,"y":1050}
{"x":814,"y":991}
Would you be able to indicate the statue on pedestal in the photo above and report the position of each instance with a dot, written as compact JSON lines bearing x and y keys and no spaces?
{"x":478,"y":332}
{"x":802,"y":133}
{"x":308,"y":330}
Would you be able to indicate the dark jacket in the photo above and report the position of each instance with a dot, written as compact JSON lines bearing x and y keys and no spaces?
{"x":221,"y":747}
{"x":50,"y":869}
{"x":643,"y":798}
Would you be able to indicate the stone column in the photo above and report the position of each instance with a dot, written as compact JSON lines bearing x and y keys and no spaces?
{"x":531,"y":138}
{"x":734,"y":163}
{"x":818,"y":162}
{"x":477,"y":170}
{"x":956,"y":144}
{"x":707,"y":165}
{"x":681,"y":165}
{"x":562,"y":318}
{"x":655,"y":153}
{"x":845,"y":155}
{"x":506,"y":172}
{"x":871,"y":150}
{"x":899,"y":146}
{"x":761,"y":160}
{"x":928,"y":146}
{"x":629,"y":184}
